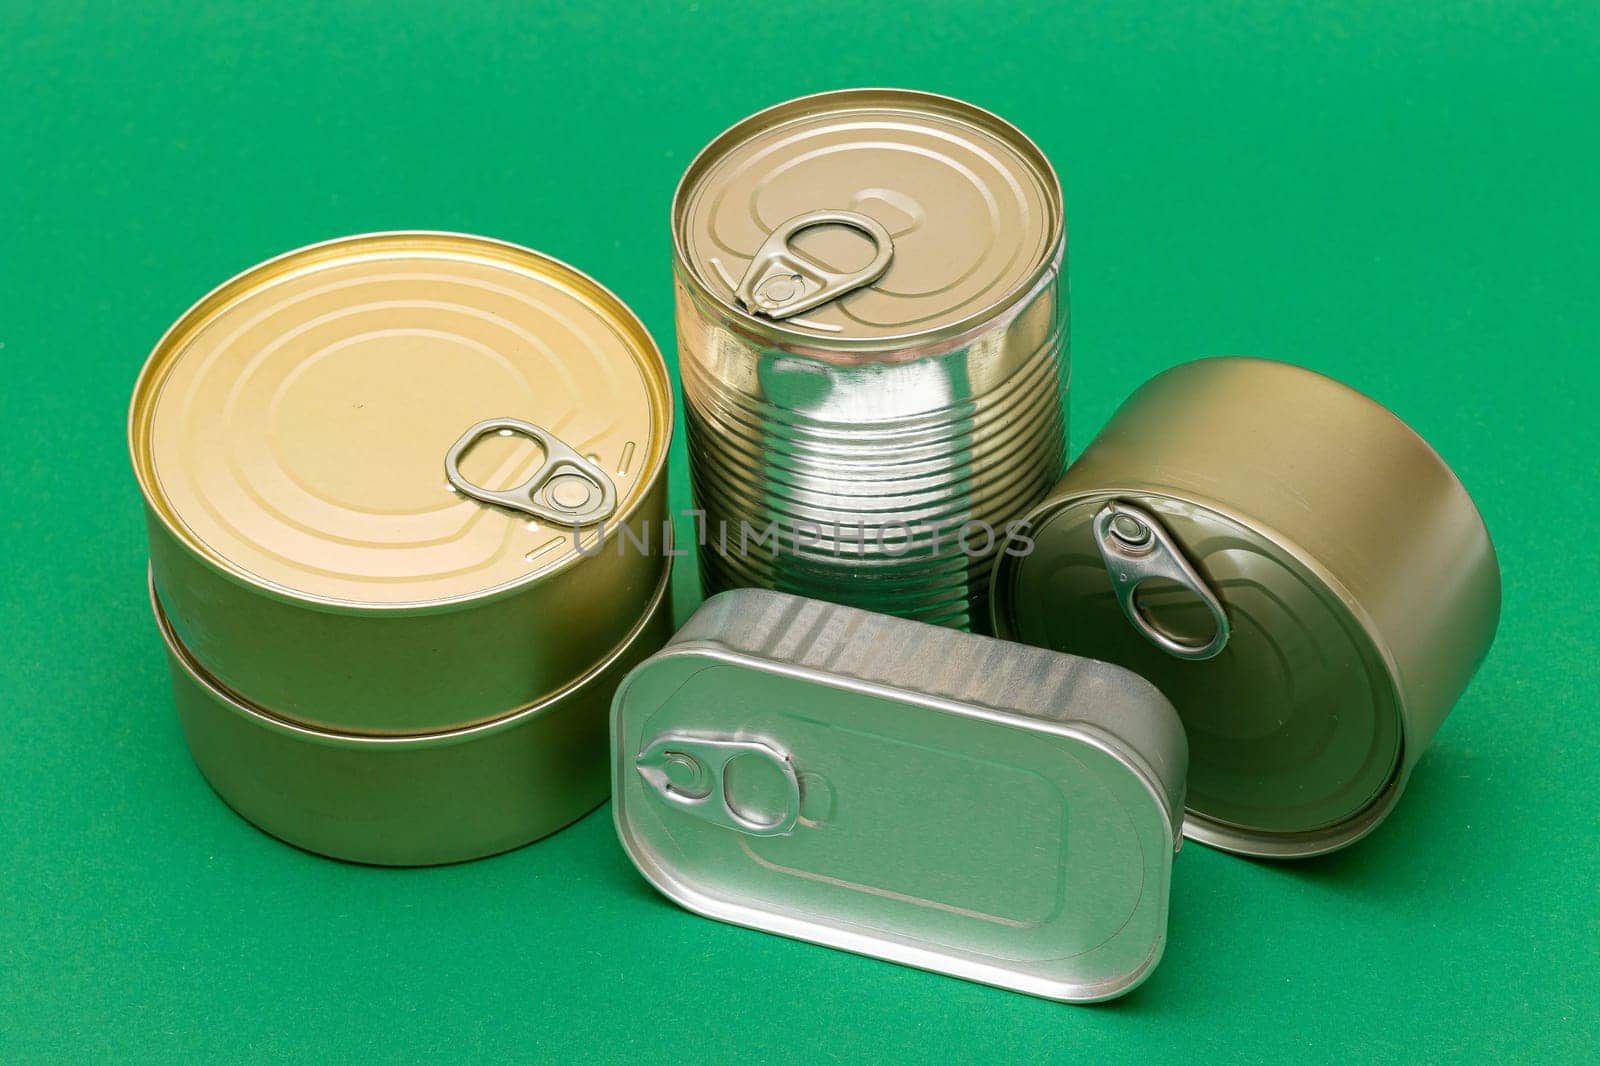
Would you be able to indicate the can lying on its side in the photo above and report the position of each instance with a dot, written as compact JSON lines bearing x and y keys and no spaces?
{"x":871,"y":327}
{"x":379,"y":477}
{"x":1292,"y":566}
{"x":948,"y":801}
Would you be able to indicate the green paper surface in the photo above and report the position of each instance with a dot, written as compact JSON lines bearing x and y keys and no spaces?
{"x":1400,"y":195}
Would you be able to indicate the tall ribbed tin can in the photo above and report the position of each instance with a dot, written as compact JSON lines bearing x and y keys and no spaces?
{"x":1292,"y":566}
{"x":872,"y":339}
{"x":381,"y":476}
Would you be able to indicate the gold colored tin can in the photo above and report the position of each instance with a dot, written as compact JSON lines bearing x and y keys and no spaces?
{"x":376,"y":472}
{"x":412,"y":800}
{"x":1292,"y":566}
{"x":871,"y":326}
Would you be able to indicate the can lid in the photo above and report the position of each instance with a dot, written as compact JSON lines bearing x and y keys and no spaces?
{"x":993,"y":811}
{"x":868,"y":215}
{"x":399,"y":419}
{"x":1291,"y":706}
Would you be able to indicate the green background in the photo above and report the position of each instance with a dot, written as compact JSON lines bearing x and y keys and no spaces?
{"x":1402,"y":195}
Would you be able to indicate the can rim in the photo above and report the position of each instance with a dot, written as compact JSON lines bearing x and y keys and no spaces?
{"x":152,"y":375}
{"x":1230,"y":836}
{"x":1239,"y":840}
{"x":956,"y":108}
{"x":242,"y":706}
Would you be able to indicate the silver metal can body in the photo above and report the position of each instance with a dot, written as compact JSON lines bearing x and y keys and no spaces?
{"x":982,"y":809}
{"x":872,"y":448}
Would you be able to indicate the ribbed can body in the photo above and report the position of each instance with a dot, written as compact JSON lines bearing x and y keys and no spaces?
{"x":885,"y":485}
{"x":872,"y":335}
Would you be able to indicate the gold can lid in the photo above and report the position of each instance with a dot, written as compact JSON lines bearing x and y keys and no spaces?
{"x":293,"y":428}
{"x":1291,"y":706}
{"x":868,"y":216}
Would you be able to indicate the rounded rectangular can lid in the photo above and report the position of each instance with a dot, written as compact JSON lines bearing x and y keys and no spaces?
{"x":968,"y":806}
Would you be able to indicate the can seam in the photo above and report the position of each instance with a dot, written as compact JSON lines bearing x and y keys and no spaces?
{"x":242,"y":705}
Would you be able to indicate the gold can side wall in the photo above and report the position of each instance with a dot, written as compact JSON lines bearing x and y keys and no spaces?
{"x":408,"y":671}
{"x":418,"y":800}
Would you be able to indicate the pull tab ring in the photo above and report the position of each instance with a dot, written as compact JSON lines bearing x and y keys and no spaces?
{"x":781,"y":282}
{"x":1136,"y":549}
{"x":567,"y":488}
{"x":691,"y":772}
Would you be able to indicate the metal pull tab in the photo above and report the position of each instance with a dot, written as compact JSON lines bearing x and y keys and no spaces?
{"x":1135,"y":549}
{"x":567,"y":488}
{"x":781,"y":282}
{"x":692,"y":772}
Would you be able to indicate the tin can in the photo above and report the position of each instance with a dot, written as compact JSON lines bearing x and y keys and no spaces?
{"x":411,"y":800}
{"x":872,"y":341}
{"x":1296,"y":569}
{"x":376,"y":471}
{"x":938,"y":799}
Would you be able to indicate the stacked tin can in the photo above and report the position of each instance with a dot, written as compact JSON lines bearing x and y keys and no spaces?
{"x":871,"y":325}
{"x":376,"y":474}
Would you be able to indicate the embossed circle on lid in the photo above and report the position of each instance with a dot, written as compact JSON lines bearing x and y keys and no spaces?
{"x":292,"y":427}
{"x":971,"y":205}
{"x":1294,"y":727}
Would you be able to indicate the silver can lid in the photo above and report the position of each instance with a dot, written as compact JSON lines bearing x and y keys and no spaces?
{"x":982,"y":809}
{"x":868,"y":216}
